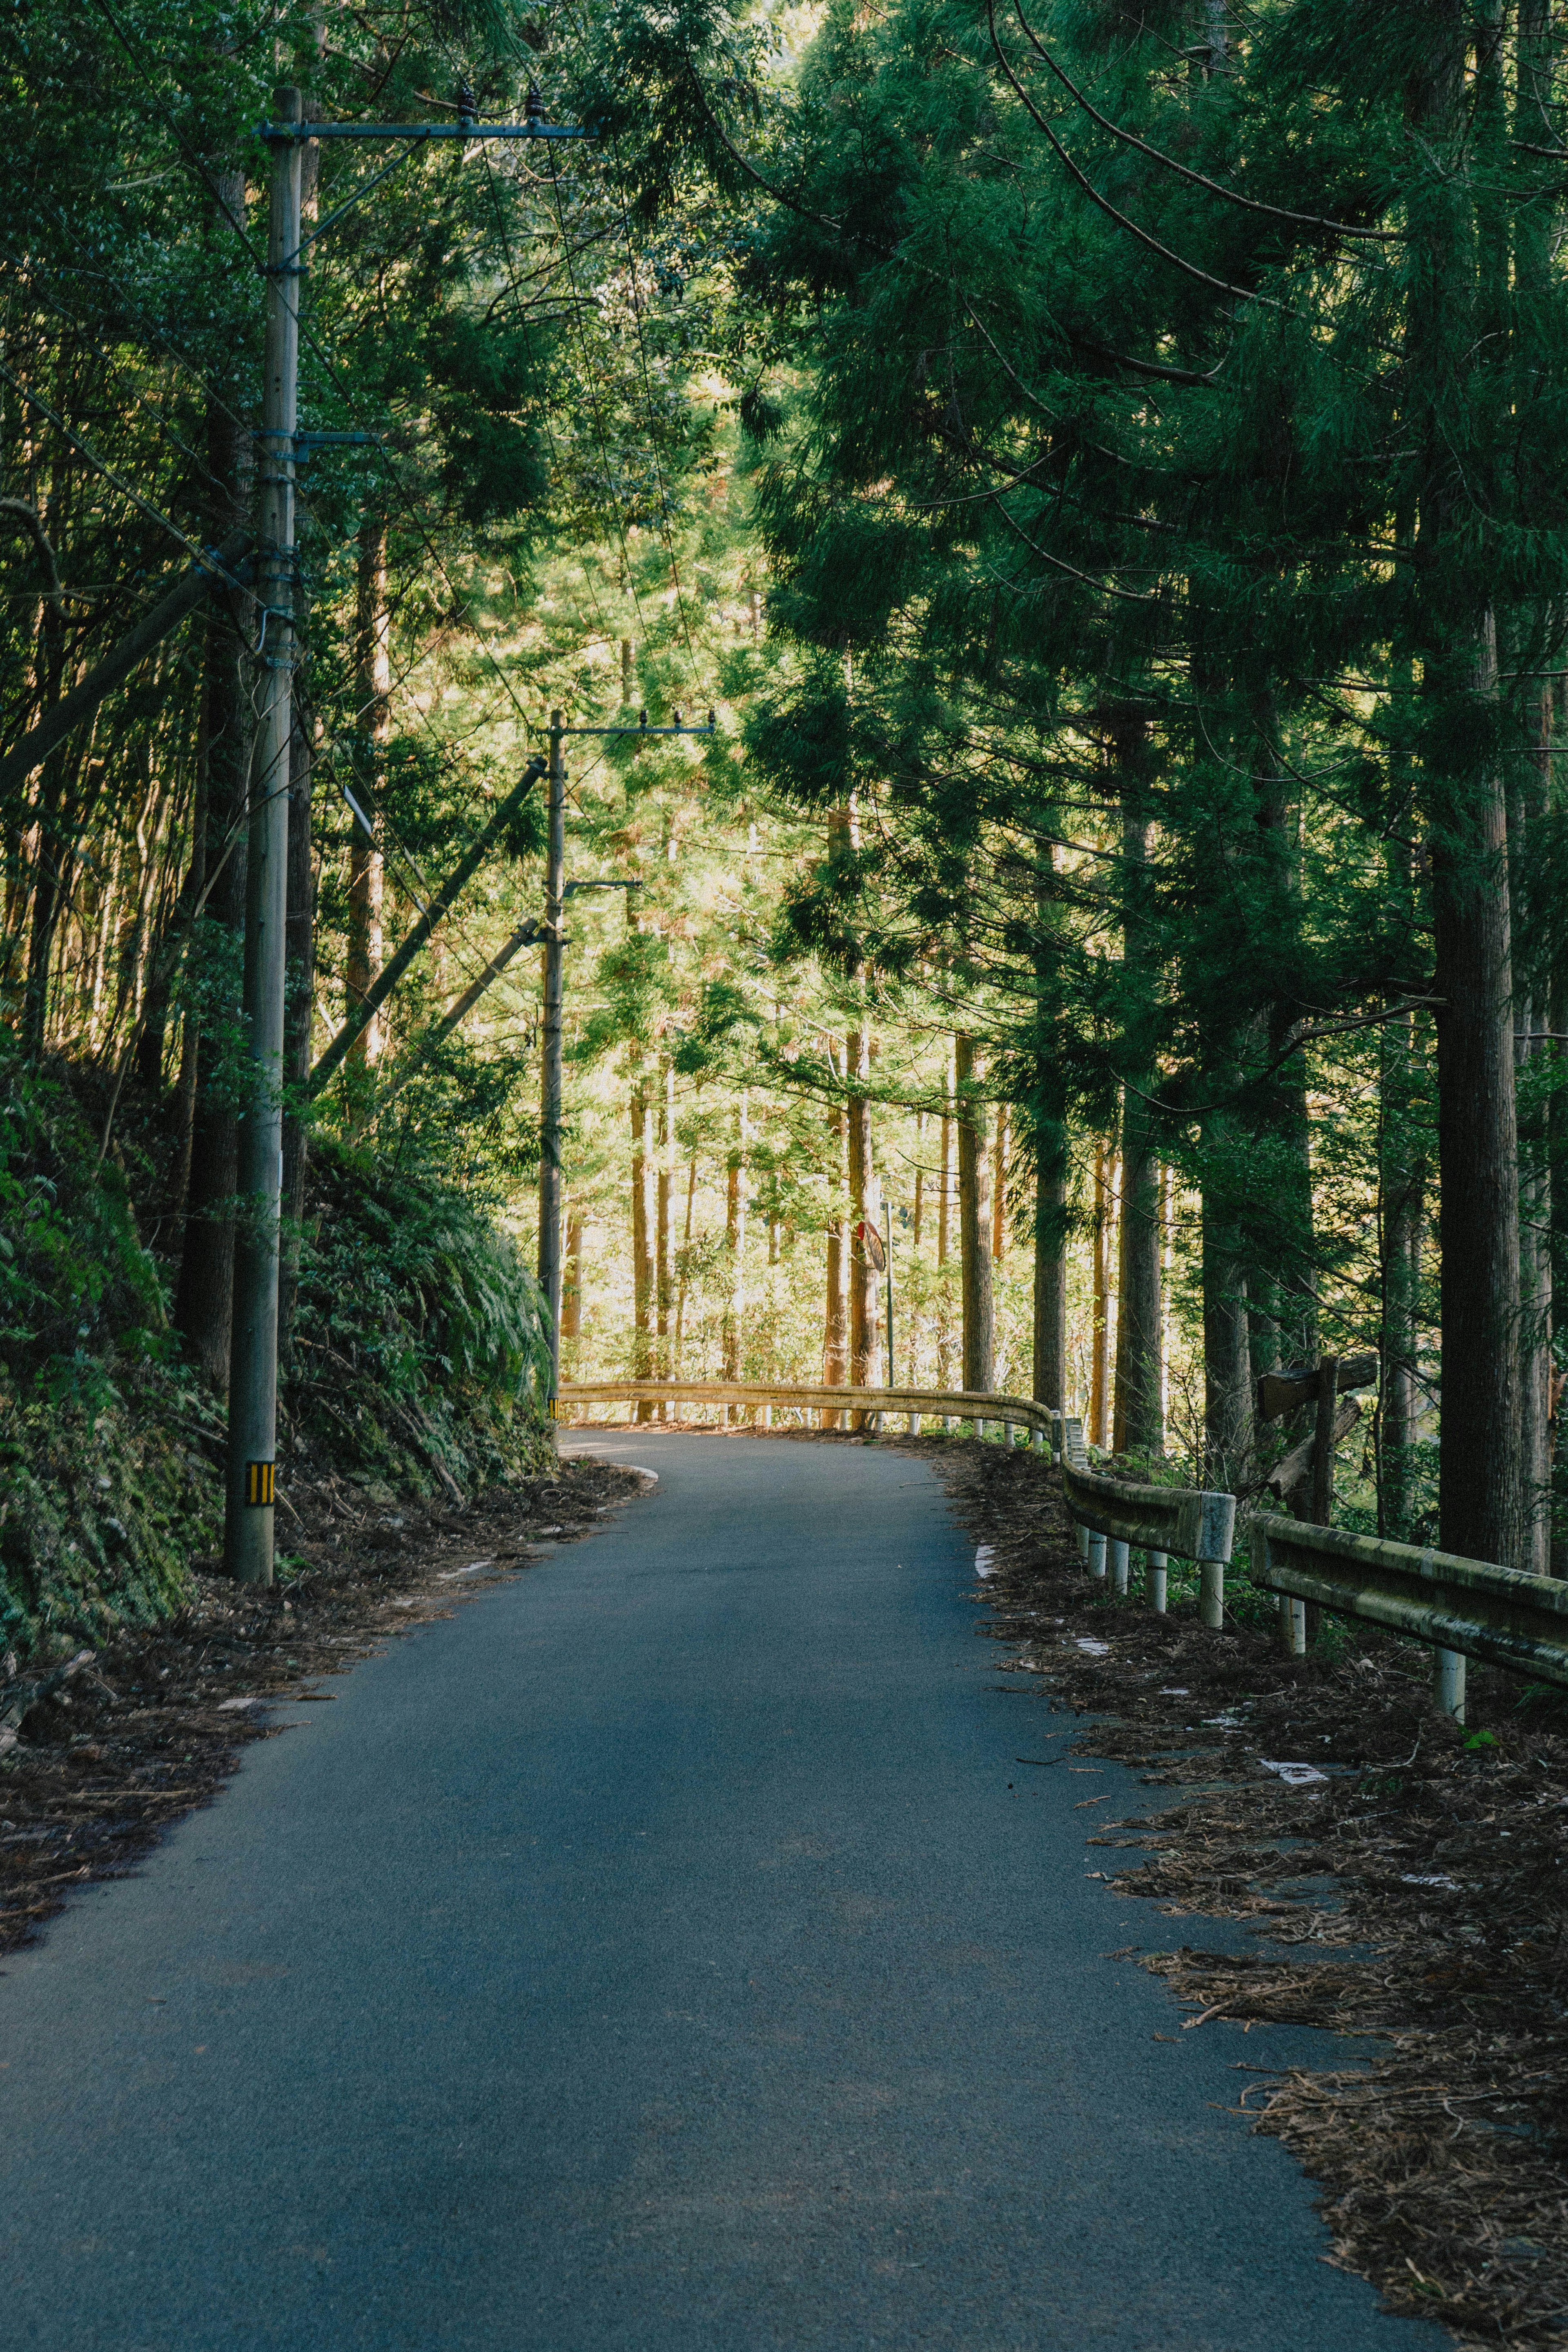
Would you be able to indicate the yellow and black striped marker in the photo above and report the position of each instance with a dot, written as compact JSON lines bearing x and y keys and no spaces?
{"x":258,"y":1483}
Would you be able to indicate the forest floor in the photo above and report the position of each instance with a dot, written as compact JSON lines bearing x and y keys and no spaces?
{"x":1414,"y":1870}
{"x":105,"y":1752}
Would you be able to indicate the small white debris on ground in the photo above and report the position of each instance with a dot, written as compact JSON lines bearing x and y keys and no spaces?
{"x":983,"y":1560}
{"x":1294,"y":1776}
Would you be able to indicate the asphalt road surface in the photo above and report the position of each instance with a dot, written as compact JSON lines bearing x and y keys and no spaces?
{"x":665,"y":1952}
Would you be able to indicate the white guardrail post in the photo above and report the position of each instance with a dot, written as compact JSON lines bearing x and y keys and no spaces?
{"x":1189,"y":1521}
{"x":1462,"y":1608}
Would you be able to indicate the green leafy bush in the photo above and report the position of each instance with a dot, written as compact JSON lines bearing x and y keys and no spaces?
{"x":419,"y":1336}
{"x":108,"y":1481}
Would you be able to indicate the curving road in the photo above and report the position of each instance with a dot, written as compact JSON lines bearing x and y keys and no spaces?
{"x":654,"y":1956}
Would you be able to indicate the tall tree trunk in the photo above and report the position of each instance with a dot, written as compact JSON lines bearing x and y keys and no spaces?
{"x":944,"y":1205}
{"x":684,"y":1284}
{"x":836,"y":1318}
{"x":372,"y":691}
{"x":1456,"y":274}
{"x":642,"y":1243}
{"x":1401,"y":1175}
{"x":301,"y":1002}
{"x":974,"y":1217}
{"x":1051,"y":1172}
{"x":1138,"y":1420}
{"x":1481,"y":1468}
{"x":735,"y":1250}
{"x":1226,"y":1354}
{"x":999,"y":1183}
{"x":571,"y":1278}
{"x":1107,"y":1187}
{"x":917,"y":1219}
{"x":663,"y":1291}
{"x":203,"y":1301}
{"x":862,"y":1212}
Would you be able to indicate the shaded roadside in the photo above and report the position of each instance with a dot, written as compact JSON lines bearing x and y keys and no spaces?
{"x":117,"y":1744}
{"x":1413,"y":1870}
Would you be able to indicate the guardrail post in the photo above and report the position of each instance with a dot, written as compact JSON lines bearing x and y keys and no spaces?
{"x":1154,"y":1567}
{"x":1216,"y":1527}
{"x":1118,"y":1565}
{"x":1449,"y":1681}
{"x":1096,"y":1553}
{"x":1082,"y":1541}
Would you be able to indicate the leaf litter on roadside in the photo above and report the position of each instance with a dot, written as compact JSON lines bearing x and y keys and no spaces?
{"x":1409,"y":1878}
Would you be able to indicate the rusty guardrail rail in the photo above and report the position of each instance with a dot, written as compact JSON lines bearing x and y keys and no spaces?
{"x":1188,"y":1521}
{"x":1464,"y":1607}
{"x":984,"y":1408}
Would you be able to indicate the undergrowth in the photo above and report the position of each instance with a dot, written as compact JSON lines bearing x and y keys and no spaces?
{"x":418,"y":1356}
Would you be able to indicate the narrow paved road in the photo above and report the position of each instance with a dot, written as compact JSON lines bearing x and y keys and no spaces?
{"x":654,"y":1956}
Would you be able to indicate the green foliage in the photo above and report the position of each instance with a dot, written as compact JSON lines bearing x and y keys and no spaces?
{"x":107,"y":1484}
{"x":419,"y":1335}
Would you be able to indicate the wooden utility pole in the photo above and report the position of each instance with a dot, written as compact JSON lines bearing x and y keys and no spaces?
{"x":253,"y":1361}
{"x":253,"y":1357}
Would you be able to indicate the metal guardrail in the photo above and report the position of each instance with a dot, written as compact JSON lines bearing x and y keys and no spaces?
{"x":1460,"y":1608}
{"x":984,"y":1408}
{"x":1464,"y":1607}
{"x":1188,"y":1521}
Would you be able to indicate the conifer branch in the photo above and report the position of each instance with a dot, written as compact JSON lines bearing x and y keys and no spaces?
{"x":1188,"y":268}
{"x":1198,"y":179}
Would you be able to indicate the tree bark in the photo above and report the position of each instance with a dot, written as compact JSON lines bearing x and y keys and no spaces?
{"x":572,"y":1283}
{"x":836,"y":1319}
{"x":685,"y":1273}
{"x":642,"y":1244}
{"x":1138,"y":1420}
{"x":662,"y":1290}
{"x":300,"y":1003}
{"x":1458,"y":273}
{"x":1138,"y":1417}
{"x":1106,"y":1192}
{"x":1481,"y":1468}
{"x":974,"y":1217}
{"x":862,"y":1212}
{"x":1050,"y":1382}
{"x":734,"y":1251}
{"x":1401,"y":1176}
{"x":999,"y":1183}
{"x":1227,"y":1355}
